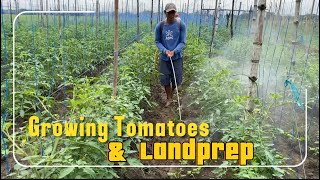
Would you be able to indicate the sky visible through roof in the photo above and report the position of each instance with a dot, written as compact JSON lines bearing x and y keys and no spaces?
{"x":288,"y":5}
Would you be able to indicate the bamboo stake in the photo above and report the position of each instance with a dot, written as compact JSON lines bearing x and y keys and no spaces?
{"x":308,"y":23}
{"x":250,"y":14}
{"x":97,"y":17}
{"x":76,"y":17}
{"x":200,"y":19}
{"x":215,"y":26}
{"x":158,"y":18}
{"x":59,"y":17}
{"x":41,"y":8}
{"x":187,"y":18}
{"x":231,"y":24}
{"x":151,"y":17}
{"x":116,"y":48}
{"x":47,"y":18}
{"x":138,"y":23}
{"x":161,"y":10}
{"x":278,"y":12}
{"x":108,"y":15}
{"x":238,"y":15}
{"x":194,"y":11}
{"x":10,"y":14}
{"x":127,"y":4}
{"x":254,"y":17}
{"x":295,"y":34}
{"x":257,"y":48}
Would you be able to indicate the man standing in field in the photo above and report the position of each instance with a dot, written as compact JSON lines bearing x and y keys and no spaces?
{"x":170,"y":38}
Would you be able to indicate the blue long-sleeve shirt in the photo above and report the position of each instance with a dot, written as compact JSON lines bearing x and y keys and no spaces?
{"x":172,"y":38}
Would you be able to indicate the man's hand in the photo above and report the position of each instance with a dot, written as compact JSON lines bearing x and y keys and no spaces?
{"x":169,"y":53}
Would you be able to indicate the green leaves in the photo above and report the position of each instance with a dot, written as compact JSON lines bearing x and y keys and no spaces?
{"x":66,"y":171}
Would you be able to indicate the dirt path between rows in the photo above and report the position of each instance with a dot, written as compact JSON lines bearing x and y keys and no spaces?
{"x":164,"y":114}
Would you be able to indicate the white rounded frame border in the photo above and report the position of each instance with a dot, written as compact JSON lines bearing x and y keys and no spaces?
{"x":223,"y":166}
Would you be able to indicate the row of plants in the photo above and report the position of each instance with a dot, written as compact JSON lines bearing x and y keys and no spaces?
{"x":223,"y":107}
{"x":91,"y":96}
{"x":47,"y":59}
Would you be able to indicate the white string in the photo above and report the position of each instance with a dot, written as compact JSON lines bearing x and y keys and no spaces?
{"x":175,"y":81}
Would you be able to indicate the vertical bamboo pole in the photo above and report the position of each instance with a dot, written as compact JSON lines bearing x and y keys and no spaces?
{"x":127,"y":4}
{"x":238,"y":15}
{"x":151,"y":16}
{"x":59,"y":17}
{"x":295,"y":34}
{"x":138,"y":23}
{"x":85,"y":17}
{"x":278,"y":12}
{"x":207,"y":18}
{"x":116,"y":48}
{"x":250,"y":14}
{"x":76,"y":17}
{"x":254,"y":17}
{"x":10,"y":14}
{"x":161,"y":10}
{"x":68,"y":10}
{"x":158,"y":18}
{"x":308,"y":23}
{"x":231,"y":23}
{"x":97,"y":17}
{"x":108,"y":15}
{"x":215,"y":23}
{"x":194,"y":11}
{"x":257,"y":48}
{"x":41,"y":9}
{"x":187,"y":18}
{"x":199,"y":33}
{"x":47,"y":18}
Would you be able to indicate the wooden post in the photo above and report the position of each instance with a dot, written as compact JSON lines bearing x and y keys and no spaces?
{"x":194,"y":11}
{"x":127,"y":4}
{"x":116,"y":48}
{"x":215,"y":26}
{"x":257,"y":48}
{"x":250,"y":14}
{"x":108,"y":15}
{"x":47,"y":18}
{"x":158,"y":18}
{"x":295,"y":34}
{"x":199,"y":33}
{"x":59,"y":17}
{"x":161,"y":10}
{"x":228,"y":19}
{"x":231,"y":24}
{"x":85,"y":17}
{"x":217,"y":21}
{"x":207,"y":18}
{"x":151,"y":17}
{"x":187,"y":18}
{"x":68,"y":10}
{"x":97,"y":17}
{"x":238,"y":15}
{"x":10,"y":15}
{"x":76,"y":17}
{"x":197,"y":14}
{"x":254,"y":16}
{"x":138,"y":23}
{"x":41,"y":9}
{"x":308,"y":22}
